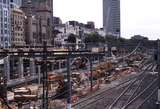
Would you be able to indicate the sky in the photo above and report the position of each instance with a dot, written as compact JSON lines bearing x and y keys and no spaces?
{"x":138,"y":17}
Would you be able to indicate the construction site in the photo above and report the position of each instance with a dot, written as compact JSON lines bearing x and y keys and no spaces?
{"x":99,"y":78}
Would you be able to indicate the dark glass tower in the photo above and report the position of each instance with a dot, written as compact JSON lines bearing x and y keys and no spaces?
{"x":111,"y":17}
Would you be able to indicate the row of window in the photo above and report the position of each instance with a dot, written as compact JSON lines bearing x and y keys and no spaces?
{"x":4,"y":39}
{"x":5,"y":26}
{"x":5,"y":19}
{"x":21,"y":17}
{"x":4,"y":6}
{"x":4,"y":12}
{"x":17,"y":22}
{"x":5,"y":1}
{"x":17,"y":39}
{"x":17,"y":29}
{"x":4,"y":31}
{"x":17,"y":34}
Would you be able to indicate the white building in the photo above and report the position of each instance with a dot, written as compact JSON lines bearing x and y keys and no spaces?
{"x":60,"y":38}
{"x":5,"y":23}
{"x":72,"y":28}
{"x":65,"y":30}
{"x":101,"y":32}
{"x":88,"y":31}
{"x":76,"y":28}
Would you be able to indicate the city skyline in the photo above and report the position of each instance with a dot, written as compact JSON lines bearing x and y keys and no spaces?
{"x":134,"y":15}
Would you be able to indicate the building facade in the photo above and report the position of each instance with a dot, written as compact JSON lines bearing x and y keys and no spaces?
{"x":56,"y":21}
{"x":15,"y":3}
{"x":41,"y":11}
{"x":90,"y":24}
{"x":17,"y":27}
{"x":111,"y":17}
{"x":73,"y":28}
{"x":5,"y":25}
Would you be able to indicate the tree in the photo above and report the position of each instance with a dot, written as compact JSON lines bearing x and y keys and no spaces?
{"x":94,"y":38}
{"x":139,"y":37}
{"x":72,"y":38}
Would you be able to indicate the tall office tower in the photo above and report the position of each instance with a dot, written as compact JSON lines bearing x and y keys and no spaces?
{"x":42,"y":16}
{"x":5,"y":25}
{"x":111,"y":17}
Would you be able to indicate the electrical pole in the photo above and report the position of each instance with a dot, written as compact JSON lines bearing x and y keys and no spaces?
{"x":5,"y":77}
{"x":109,"y":51}
{"x":91,"y":73}
{"x":7,"y":67}
{"x":45,"y":77}
{"x":39,"y":74}
{"x":69,"y":80}
{"x":158,"y":66}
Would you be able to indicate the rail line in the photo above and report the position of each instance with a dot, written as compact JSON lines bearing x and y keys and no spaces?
{"x":99,"y":96}
{"x":133,"y":95}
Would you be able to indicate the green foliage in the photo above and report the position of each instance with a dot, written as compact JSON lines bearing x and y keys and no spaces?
{"x":113,"y":41}
{"x":94,"y":38}
{"x":72,"y":38}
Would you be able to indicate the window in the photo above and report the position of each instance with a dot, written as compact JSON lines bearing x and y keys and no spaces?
{"x":12,"y":6}
{"x":1,"y":38}
{"x":5,"y":19}
{"x":5,"y":26}
{"x":5,"y":13}
{"x":4,"y":1}
{"x":6,"y":39}
{"x":5,"y":31}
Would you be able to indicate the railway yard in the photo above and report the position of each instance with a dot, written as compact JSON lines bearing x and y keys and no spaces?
{"x":79,"y":54}
{"x":129,"y":94}
{"x":123,"y":82}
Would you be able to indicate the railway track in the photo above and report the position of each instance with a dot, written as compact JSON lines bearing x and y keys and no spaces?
{"x":110,"y":97}
{"x":132,"y":95}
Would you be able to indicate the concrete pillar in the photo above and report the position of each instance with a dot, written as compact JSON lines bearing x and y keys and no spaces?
{"x":60,"y":64}
{"x":7,"y":67}
{"x":21,"y":68}
{"x":52,"y":66}
{"x":32,"y":67}
{"x":39,"y":74}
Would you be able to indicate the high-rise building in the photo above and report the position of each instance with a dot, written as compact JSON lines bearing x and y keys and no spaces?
{"x":111,"y":17}
{"x":5,"y":25}
{"x":41,"y":11}
{"x":17,"y":23}
{"x":17,"y":33}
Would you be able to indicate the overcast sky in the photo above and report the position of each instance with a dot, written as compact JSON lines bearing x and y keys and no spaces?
{"x":137,"y":16}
